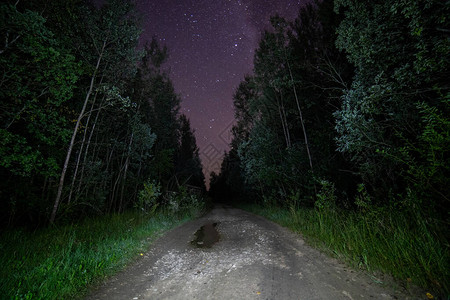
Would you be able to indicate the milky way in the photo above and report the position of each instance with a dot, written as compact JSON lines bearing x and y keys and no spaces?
{"x":211,"y":46}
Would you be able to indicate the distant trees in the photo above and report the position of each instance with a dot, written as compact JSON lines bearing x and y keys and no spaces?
{"x":86,"y":117}
{"x":189,"y":167}
{"x":354,"y":95}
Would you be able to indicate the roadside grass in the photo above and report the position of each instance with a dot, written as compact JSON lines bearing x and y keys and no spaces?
{"x":62,"y":262}
{"x":393,"y":243}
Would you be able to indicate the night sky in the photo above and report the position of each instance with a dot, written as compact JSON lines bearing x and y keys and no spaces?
{"x":211,"y":46}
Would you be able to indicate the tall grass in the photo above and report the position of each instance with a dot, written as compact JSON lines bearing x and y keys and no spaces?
{"x":394,"y":243}
{"x":60,"y":263}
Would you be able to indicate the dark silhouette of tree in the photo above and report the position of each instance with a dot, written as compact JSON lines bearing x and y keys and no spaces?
{"x":189,"y":167}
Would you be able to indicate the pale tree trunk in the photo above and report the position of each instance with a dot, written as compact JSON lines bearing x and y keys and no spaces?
{"x":284,"y":127}
{"x":95,"y":154}
{"x":104,"y":182}
{"x":284,"y":124}
{"x":72,"y":141}
{"x":283,"y":111}
{"x":88,"y":145}
{"x":114,"y":183}
{"x":83,"y":143}
{"x":301,"y":120}
{"x":75,"y":173}
{"x":115,"y":188}
{"x":127,"y":162}
{"x":301,"y":116}
{"x":138,"y":173}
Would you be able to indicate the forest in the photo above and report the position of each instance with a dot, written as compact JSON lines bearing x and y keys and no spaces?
{"x":88,"y":118}
{"x":343,"y":132}
{"x":96,"y":159}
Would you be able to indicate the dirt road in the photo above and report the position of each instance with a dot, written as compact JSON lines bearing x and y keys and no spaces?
{"x":253,"y":259}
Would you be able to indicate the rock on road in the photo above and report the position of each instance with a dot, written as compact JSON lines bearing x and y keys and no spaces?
{"x":254,"y":259}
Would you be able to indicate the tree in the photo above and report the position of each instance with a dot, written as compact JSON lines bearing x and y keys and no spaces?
{"x":32,"y":97}
{"x":113,"y":33}
{"x":189,"y":168}
{"x":401,"y":57}
{"x":39,"y":77}
{"x":80,"y":103}
{"x":285,"y":131}
{"x":159,"y":106}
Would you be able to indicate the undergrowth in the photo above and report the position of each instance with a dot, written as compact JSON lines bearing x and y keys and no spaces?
{"x":61,"y":263}
{"x":394,"y":243}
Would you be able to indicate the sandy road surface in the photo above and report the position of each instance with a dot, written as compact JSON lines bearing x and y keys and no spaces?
{"x":254,"y":259}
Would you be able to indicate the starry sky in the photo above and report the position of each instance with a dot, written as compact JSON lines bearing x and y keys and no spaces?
{"x":211,"y":47}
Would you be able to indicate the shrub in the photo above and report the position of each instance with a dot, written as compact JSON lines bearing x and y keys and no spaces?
{"x":148,"y":197}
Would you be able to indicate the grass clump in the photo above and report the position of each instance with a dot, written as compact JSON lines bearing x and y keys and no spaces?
{"x":61,"y":262}
{"x":386,"y":240}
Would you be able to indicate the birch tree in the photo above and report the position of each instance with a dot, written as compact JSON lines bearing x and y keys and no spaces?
{"x":112,"y":33}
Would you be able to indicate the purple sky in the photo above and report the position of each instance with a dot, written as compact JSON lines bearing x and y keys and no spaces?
{"x":211,"y":46}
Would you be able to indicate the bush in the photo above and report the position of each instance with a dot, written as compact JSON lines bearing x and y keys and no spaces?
{"x":181,"y":200}
{"x":326,"y":197}
{"x":148,"y":197}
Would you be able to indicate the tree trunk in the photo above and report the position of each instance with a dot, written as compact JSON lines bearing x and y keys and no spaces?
{"x":72,"y":141}
{"x":283,"y":120}
{"x":127,"y":162}
{"x":283,"y":111}
{"x":105,"y":183}
{"x":301,"y":116}
{"x":75,"y":173}
{"x":284,"y":128}
{"x":138,"y":174}
{"x":88,"y":145}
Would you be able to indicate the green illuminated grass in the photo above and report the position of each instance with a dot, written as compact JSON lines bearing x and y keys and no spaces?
{"x":400,"y":245}
{"x":61,"y":263}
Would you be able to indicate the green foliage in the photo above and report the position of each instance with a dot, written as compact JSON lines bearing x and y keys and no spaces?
{"x":163,"y":163}
{"x":363,"y":199}
{"x":39,"y":77}
{"x":428,"y":160}
{"x":82,"y":73}
{"x":114,"y":97}
{"x":284,"y":133}
{"x":326,"y":197}
{"x":182,"y":200}
{"x":401,"y":57}
{"x":258,"y":157}
{"x":112,"y":33}
{"x":143,"y":139}
{"x":148,"y":197}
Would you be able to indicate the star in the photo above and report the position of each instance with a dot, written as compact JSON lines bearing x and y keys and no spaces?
{"x":211,"y":45}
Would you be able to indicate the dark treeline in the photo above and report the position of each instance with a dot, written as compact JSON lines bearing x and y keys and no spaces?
{"x":348,"y":107}
{"x":89,"y":121}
